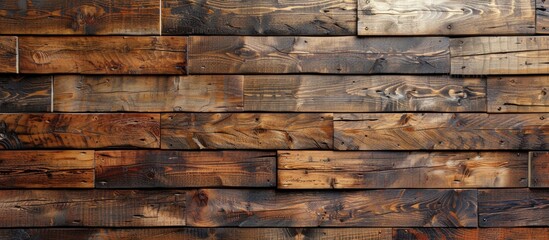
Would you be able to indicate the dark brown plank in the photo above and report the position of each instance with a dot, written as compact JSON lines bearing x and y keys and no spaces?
{"x":46,"y":169}
{"x":539,"y":170}
{"x":259,"y":17}
{"x":80,"y":93}
{"x":514,"y":233}
{"x":518,"y":94}
{"x":327,"y":169}
{"x":91,"y":208}
{"x":173,"y":169}
{"x":542,"y":16}
{"x":435,"y":233}
{"x":246,"y":131}
{"x":339,"y":55}
{"x":22,"y":131}
{"x":25,"y":93}
{"x":8,"y":54}
{"x":314,"y":93}
{"x":377,"y":208}
{"x":91,"y":17}
{"x":441,"y":131}
{"x":520,"y":207}
{"x":103,"y":55}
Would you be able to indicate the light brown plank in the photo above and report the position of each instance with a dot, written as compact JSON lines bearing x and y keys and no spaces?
{"x":435,"y":233}
{"x":8,"y":54}
{"x":518,"y":94}
{"x":542,"y":17}
{"x":520,"y":207}
{"x":514,"y":233}
{"x":539,"y":170}
{"x":25,"y":93}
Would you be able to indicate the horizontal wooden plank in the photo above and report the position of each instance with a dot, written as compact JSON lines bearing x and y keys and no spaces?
{"x":440,"y":131}
{"x":539,"y":170}
{"x":8,"y":54}
{"x":514,"y":233}
{"x":390,"y":93}
{"x":500,"y":55}
{"x":173,"y":169}
{"x":520,"y":207}
{"x":80,"y":93}
{"x":22,"y":131}
{"x":25,"y":93}
{"x":91,"y":208}
{"x":246,"y":131}
{"x":436,"y":233}
{"x":336,"y":55}
{"x":446,"y":17}
{"x":103,"y":55}
{"x":46,"y":169}
{"x":542,"y":17}
{"x":92,"y":17}
{"x":327,"y":169}
{"x":518,"y":94}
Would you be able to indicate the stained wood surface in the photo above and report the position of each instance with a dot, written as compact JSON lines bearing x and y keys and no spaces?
{"x":78,"y":93}
{"x":8,"y":54}
{"x":91,"y":17}
{"x":46,"y":169}
{"x":514,"y":233}
{"x":36,"y":131}
{"x":174,"y":169}
{"x":260,"y":17}
{"x":377,"y":208}
{"x":518,"y":94}
{"x":435,"y":233}
{"x":513,"y":207}
{"x":313,"y":93}
{"x":500,"y":55}
{"x":246,"y":131}
{"x":339,"y":55}
{"x":103,"y":55}
{"x":539,"y":170}
{"x":542,"y":16}
{"x":440,"y":131}
{"x":25,"y":93}
{"x":446,"y":17}
{"x":327,"y":169}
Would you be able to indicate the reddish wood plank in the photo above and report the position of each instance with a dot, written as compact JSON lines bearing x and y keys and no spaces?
{"x":539,"y":170}
{"x":514,"y":233}
{"x":8,"y":54}
{"x":520,"y":207}
{"x":435,"y":233}
{"x":25,"y":93}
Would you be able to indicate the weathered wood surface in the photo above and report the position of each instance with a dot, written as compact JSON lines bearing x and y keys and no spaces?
{"x":8,"y":54}
{"x":440,"y":131}
{"x":435,"y":233}
{"x":91,"y":17}
{"x":514,"y":233}
{"x":513,"y":207}
{"x":377,"y":208}
{"x":500,"y":55}
{"x":46,"y":169}
{"x":313,"y":93}
{"x":246,"y":131}
{"x":542,"y":17}
{"x":327,"y":169}
{"x":339,"y":55}
{"x":446,"y":17}
{"x":78,"y":93}
{"x":518,"y":94}
{"x":259,"y":17}
{"x":103,"y":55}
{"x":25,"y":93}
{"x":539,"y":170}
{"x":26,"y":131}
{"x":91,"y":208}
{"x":175,"y":169}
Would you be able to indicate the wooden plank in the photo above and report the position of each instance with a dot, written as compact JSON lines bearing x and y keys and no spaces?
{"x":327,"y":169}
{"x":446,"y":17}
{"x":246,"y":131}
{"x":89,"y":17}
{"x":538,"y":170}
{"x":389,"y":93}
{"x":22,"y":131}
{"x":260,"y":17}
{"x":436,"y":233}
{"x":79,"y":93}
{"x":514,"y":233}
{"x":103,"y":55}
{"x":518,"y":94}
{"x":374,"y":208}
{"x":542,"y":17}
{"x":91,"y":208}
{"x":336,"y":55}
{"x":8,"y":54}
{"x":519,"y":207}
{"x":499,"y":55}
{"x":440,"y":131}
{"x":25,"y":93}
{"x":173,"y":169}
{"x":46,"y":169}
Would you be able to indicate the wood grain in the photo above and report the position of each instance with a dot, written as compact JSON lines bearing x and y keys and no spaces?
{"x":446,"y":17}
{"x":542,"y":17}
{"x":246,"y":131}
{"x":518,"y":94}
{"x":327,"y":169}
{"x":25,"y":93}
{"x":538,"y":170}
{"x":35,"y":131}
{"x":513,"y":207}
{"x":500,"y":55}
{"x":8,"y":54}
{"x":336,"y":55}
{"x":174,"y":169}
{"x":259,"y":17}
{"x":514,"y":233}
{"x":435,"y":233}
{"x":314,"y":93}
{"x":81,"y":17}
{"x":103,"y":55}
{"x":78,"y":93}
{"x":441,"y":131}
{"x":46,"y":169}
